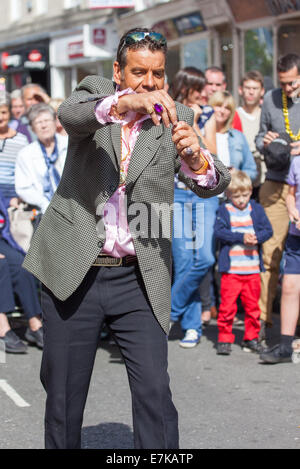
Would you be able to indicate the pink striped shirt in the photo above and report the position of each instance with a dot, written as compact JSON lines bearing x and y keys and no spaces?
{"x":119,"y":242}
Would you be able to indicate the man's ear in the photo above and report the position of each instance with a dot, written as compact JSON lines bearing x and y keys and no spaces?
{"x":240,"y":91}
{"x":117,"y":73}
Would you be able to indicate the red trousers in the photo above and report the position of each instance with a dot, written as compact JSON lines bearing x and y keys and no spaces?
{"x":248,"y":288}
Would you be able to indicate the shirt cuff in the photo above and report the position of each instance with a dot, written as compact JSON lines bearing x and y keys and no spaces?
{"x":209,"y":179}
{"x":103,"y":107}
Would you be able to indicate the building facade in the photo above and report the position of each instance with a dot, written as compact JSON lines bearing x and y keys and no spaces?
{"x":58,"y":42}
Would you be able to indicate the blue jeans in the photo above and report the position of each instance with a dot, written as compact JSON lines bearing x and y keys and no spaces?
{"x":193,"y":254}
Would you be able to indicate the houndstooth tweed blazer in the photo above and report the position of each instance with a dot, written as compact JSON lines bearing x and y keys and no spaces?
{"x":71,"y":235}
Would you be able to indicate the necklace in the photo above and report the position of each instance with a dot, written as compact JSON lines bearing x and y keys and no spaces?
{"x":286,"y":119}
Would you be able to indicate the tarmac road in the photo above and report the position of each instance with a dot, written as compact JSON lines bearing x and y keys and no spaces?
{"x":223,"y":402}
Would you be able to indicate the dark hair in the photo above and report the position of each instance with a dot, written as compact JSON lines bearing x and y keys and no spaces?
{"x":254,"y":75}
{"x":287,"y":62}
{"x":188,"y":78}
{"x":146,"y":43}
{"x":216,"y":69}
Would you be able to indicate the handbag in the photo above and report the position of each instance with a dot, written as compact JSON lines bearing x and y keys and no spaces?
{"x":21,"y":226}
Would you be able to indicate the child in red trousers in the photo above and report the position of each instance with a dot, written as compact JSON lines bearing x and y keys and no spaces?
{"x":241,"y":227}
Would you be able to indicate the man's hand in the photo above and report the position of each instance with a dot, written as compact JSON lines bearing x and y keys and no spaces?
{"x":42,"y":97}
{"x":2,"y":256}
{"x":197,"y":112}
{"x":269,"y":137}
{"x":293,"y":215}
{"x":143,"y":103}
{"x":14,"y":202}
{"x":295,"y":148}
{"x":250,"y":239}
{"x":185,"y":137}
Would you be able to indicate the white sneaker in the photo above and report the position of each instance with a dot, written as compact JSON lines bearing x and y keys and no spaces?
{"x":191,"y":339}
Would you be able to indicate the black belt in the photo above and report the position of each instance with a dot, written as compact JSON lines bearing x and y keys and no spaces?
{"x":107,"y":261}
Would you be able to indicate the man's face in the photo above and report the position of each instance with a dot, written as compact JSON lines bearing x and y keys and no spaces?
{"x":30,"y":97}
{"x":214,"y":82}
{"x":17,"y":108}
{"x":251,"y":92}
{"x":287,"y":81}
{"x":144,"y":71}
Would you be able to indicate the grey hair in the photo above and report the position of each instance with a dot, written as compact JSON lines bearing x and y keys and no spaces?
{"x":16,"y":94}
{"x":31,"y":85}
{"x":5,"y":99}
{"x":38,"y":109}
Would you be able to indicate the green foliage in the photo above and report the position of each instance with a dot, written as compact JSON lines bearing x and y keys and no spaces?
{"x":256,"y":54}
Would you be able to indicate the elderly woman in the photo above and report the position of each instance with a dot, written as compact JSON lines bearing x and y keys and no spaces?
{"x":11,"y":142}
{"x":39,"y":166}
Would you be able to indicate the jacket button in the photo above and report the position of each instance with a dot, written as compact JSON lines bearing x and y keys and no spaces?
{"x":112,"y":188}
{"x":100,"y":244}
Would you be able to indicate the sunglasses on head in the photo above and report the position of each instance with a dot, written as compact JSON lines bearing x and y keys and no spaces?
{"x":138,"y":36}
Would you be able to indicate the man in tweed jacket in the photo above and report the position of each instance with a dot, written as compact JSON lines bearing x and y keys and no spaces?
{"x":95,"y":267}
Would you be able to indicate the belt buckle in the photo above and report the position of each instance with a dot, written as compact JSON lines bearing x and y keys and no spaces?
{"x":113,"y":264}
{"x":119,"y":263}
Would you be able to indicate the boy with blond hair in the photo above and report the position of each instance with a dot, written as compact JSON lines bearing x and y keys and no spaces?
{"x":241,"y":227}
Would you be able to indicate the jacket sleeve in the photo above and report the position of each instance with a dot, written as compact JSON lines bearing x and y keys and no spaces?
{"x":222,"y":173}
{"x":263,"y":230}
{"x":264,"y":126}
{"x":222,"y":228}
{"x":77,"y":113}
{"x":249,"y":165}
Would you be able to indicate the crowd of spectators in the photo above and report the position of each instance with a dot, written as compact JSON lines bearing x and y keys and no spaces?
{"x":242,"y":233}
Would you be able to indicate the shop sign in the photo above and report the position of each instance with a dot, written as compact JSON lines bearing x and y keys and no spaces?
{"x":279,"y":7}
{"x":94,"y":4}
{"x":181,"y":26}
{"x":10,"y":61}
{"x":75,"y":49}
{"x":99,"y":36}
{"x":34,"y":60}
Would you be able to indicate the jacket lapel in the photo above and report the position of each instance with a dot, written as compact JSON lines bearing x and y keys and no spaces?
{"x":145,"y":148}
{"x":116,"y":140}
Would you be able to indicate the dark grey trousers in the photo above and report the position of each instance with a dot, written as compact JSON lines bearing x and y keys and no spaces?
{"x":72,"y":328}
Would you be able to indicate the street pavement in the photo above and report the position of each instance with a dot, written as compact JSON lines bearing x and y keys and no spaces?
{"x":232,"y":402}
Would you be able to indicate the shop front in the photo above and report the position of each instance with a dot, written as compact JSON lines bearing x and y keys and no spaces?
{"x":268,"y":29}
{"x":89,"y":50}
{"x":24,"y":64}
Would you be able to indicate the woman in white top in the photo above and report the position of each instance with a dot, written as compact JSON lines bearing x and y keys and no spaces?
{"x":39,"y":165}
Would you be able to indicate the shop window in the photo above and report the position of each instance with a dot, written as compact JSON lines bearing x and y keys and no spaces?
{"x":288,"y":39}
{"x":225,"y":54}
{"x":259,"y":51}
{"x":196,"y":54}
